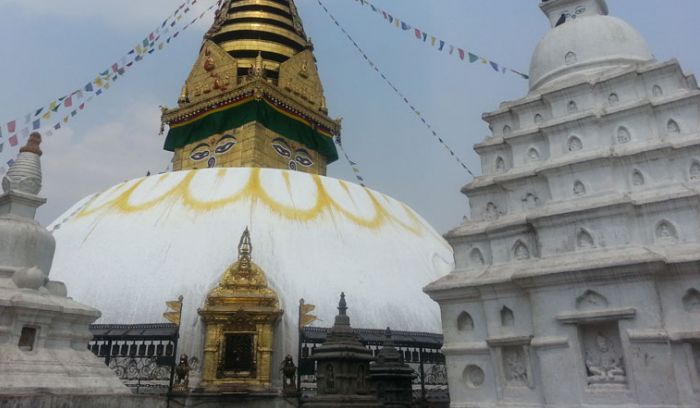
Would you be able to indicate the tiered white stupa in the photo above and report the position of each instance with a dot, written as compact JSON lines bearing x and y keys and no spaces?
{"x":43,"y":333}
{"x":576,"y":281}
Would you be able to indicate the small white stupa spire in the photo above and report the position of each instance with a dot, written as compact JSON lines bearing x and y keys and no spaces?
{"x":24,"y":175}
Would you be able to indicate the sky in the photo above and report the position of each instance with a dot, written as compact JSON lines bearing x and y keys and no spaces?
{"x":50,"y":48}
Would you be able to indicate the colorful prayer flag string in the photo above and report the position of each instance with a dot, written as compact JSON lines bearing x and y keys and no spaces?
{"x":353,"y":165}
{"x":405,"y":100}
{"x":423,"y":36}
{"x":38,"y":118}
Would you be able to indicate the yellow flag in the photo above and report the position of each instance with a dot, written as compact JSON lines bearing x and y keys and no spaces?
{"x":305,"y":318}
{"x":174,"y":311}
{"x":47,"y":115}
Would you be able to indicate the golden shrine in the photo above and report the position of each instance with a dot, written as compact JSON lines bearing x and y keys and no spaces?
{"x":239,"y":318}
{"x":254,"y":97}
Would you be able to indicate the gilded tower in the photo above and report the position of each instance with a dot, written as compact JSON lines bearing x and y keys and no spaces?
{"x":254,"y":97}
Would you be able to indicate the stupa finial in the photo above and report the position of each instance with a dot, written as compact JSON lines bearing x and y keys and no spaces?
{"x":24,"y":174}
{"x":342,"y":305}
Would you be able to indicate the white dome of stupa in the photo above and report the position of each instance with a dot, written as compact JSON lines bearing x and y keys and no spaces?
{"x":584,"y":40}
{"x":146,"y":241}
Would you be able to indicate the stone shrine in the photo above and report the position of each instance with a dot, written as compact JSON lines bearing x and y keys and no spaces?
{"x":391,"y":378}
{"x":343,"y":368}
{"x":576,"y":281}
{"x":43,"y":333}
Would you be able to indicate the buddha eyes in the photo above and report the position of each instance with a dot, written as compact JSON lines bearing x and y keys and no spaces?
{"x":303,"y":160}
{"x":282,"y":150}
{"x":196,"y":156}
{"x":223,"y":148}
{"x":298,"y":156}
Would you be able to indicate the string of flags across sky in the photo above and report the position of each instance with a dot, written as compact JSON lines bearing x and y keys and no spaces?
{"x":405,"y":100}
{"x":14,"y":132}
{"x":437,"y":43}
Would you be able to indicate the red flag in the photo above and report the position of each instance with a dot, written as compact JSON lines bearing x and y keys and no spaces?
{"x":115,"y":67}
{"x":418,"y":34}
{"x":461,"y":53}
{"x":13,"y":140}
{"x":11,"y":126}
{"x":68,"y":102}
{"x":82,"y":106}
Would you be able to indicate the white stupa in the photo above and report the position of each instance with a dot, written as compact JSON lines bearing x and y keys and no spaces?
{"x":138,"y":244}
{"x":43,"y":333}
{"x":253,"y":111}
{"x":576,"y":281}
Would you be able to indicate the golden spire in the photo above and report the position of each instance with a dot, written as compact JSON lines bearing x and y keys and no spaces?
{"x":246,"y":28}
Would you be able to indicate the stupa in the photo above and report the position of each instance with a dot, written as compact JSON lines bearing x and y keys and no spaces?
{"x":43,"y":333}
{"x":251,"y":138}
{"x":576,"y":280}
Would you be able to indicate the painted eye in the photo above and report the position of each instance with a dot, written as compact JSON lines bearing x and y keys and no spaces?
{"x":224,"y":147}
{"x":199,"y":155}
{"x":281,"y":150}
{"x":303,"y":160}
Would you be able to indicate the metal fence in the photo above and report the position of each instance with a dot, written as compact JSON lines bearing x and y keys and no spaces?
{"x":142,"y":355}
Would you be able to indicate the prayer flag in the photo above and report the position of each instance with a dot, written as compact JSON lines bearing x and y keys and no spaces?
{"x":461,"y":53}
{"x":494,"y":66}
{"x":38,"y":111}
{"x":74,"y":113}
{"x":57,"y":126}
{"x":46,"y":116}
{"x":1,"y":145}
{"x":452,"y":48}
{"x":442,"y":45}
{"x":418,"y":33}
{"x":99,"y":92}
{"x":11,"y":126}
{"x":132,"y":51}
{"x":405,"y":26}
{"x":13,"y":140}
{"x":484,"y":60}
{"x":88,"y":87}
{"x":105,"y":73}
{"x":432,"y":40}
{"x":82,"y":106}
{"x":53,"y":106}
{"x":65,"y":120}
{"x":36,"y":124}
{"x":68,"y":102}
{"x":473,"y":58}
{"x":145,"y":42}
{"x":11,"y":162}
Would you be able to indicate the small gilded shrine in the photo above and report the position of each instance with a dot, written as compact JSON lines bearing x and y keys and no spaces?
{"x":239,"y":319}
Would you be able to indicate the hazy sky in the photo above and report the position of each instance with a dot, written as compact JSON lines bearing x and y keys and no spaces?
{"x":49,"y":48}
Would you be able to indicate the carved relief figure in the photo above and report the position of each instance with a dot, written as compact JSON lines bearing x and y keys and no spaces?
{"x":585,"y":240}
{"x":330,"y":378}
{"x":695,"y":170}
{"x":538,"y":119}
{"x":506,"y":130}
{"x":530,"y":201}
{"x":657,"y":91}
{"x":579,"y":188}
{"x":623,"y":135}
{"x":500,"y":165}
{"x":515,"y":366}
{"x":289,"y":371}
{"x":637,"y":178}
{"x":672,"y":127}
{"x":572,"y":107}
{"x":533,"y":154}
{"x":476,"y":257}
{"x":603,"y":363}
{"x":570,"y":58}
{"x":666,"y":232}
{"x":691,"y":301}
{"x":520,"y":251}
{"x":465,"y":322}
{"x":491,"y":212}
{"x":507,"y":317}
{"x":613,"y":99}
{"x":574,"y":144}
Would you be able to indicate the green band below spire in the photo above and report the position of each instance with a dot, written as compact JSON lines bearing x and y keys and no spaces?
{"x":251,"y":111}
